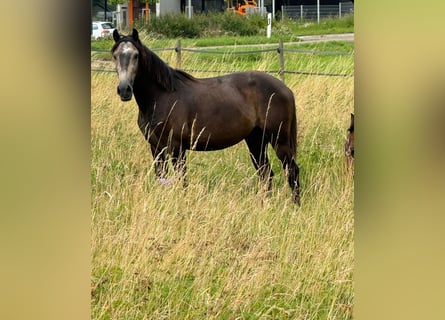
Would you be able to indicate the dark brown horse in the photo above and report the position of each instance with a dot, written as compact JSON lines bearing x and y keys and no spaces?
{"x":349,"y":144}
{"x":178,"y":112}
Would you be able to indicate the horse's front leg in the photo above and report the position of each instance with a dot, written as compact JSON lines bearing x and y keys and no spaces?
{"x":179,"y":165}
{"x":160,"y":163}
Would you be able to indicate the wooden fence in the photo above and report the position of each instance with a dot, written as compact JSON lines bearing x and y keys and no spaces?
{"x":279,"y":49}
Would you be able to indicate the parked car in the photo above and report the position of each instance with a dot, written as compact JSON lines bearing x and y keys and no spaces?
{"x":101,"y":29}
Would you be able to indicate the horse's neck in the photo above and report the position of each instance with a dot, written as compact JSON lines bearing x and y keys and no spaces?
{"x":146,"y":93}
{"x":145,"y":97}
{"x":147,"y":87}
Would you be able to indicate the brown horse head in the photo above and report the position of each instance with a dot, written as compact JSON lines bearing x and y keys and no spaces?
{"x":126,"y":56}
{"x":349,"y":144}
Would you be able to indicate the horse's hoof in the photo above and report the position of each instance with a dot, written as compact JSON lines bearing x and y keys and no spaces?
{"x":296,"y":199}
{"x":165,"y":182}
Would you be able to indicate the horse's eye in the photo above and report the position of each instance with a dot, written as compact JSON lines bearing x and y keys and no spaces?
{"x":136,"y":56}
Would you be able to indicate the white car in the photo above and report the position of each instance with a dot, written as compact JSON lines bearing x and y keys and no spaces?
{"x":101,"y":29}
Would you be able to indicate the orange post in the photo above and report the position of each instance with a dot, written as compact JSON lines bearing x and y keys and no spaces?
{"x":146,"y":12}
{"x":130,"y":12}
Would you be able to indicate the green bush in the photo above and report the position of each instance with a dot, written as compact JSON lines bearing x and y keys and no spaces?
{"x":175,"y":26}
{"x":179,"y":26}
{"x":214,"y":25}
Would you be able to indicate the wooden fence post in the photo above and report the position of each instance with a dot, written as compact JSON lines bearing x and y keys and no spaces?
{"x":281,"y":52}
{"x":178,"y":54}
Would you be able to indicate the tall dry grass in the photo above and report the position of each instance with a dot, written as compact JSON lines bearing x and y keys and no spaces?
{"x":223,"y":249}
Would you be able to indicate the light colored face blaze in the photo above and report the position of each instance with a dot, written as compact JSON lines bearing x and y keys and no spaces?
{"x":126,"y":58}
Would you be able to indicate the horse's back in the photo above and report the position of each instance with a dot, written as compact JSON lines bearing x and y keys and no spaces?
{"x":261,"y":81}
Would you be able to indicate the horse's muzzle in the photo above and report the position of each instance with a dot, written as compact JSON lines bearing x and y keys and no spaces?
{"x":125,"y":92}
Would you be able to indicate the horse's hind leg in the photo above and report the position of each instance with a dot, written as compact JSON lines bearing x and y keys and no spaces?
{"x":257,"y":144}
{"x":287,"y":158}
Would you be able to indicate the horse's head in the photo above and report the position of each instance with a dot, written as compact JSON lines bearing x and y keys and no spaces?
{"x":349,"y":144}
{"x":126,"y":56}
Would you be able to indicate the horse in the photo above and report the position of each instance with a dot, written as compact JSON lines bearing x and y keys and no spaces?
{"x":349,"y":144}
{"x":178,"y":112}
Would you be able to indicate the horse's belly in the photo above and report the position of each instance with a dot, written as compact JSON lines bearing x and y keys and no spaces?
{"x":208,"y":143}
{"x":218,"y":138}
{"x":215,"y":131}
{"x":213,"y":147}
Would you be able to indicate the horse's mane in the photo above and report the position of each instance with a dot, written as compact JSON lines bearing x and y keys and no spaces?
{"x":166,"y":76}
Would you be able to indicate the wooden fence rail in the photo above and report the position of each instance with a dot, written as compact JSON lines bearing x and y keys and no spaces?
{"x":280,"y":50}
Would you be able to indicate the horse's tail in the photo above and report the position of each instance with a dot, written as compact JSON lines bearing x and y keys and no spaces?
{"x":293,"y":132}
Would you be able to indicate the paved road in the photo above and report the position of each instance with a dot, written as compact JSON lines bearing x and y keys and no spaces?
{"x":303,"y":39}
{"x":328,"y":37}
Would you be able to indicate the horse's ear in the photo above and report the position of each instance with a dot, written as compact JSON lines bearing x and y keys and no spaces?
{"x":351,"y":127}
{"x":116,"y":35}
{"x":135,"y":35}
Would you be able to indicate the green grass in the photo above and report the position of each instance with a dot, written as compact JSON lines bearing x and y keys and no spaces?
{"x":224,"y":249}
{"x":106,"y":44}
{"x":326,"y":26}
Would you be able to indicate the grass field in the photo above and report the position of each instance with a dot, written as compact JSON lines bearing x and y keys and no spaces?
{"x":223,"y":249}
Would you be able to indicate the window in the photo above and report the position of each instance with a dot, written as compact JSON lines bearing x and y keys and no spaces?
{"x":107,"y":26}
